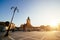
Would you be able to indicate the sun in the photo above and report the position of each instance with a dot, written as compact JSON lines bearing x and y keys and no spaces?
{"x":53,"y":23}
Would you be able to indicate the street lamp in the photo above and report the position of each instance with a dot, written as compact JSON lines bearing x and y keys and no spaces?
{"x":15,"y":9}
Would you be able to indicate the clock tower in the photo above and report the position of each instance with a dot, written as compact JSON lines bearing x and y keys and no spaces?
{"x":28,"y":21}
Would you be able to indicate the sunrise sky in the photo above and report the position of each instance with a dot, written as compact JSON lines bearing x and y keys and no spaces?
{"x":41,"y":12}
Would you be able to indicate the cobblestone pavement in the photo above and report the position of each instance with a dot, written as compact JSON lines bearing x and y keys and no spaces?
{"x":52,"y":35}
{"x":2,"y":36}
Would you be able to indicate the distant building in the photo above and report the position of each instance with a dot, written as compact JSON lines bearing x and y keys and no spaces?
{"x":28,"y":26}
{"x":3,"y":27}
{"x":12,"y":26}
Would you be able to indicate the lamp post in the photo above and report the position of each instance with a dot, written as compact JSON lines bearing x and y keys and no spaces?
{"x":15,"y":9}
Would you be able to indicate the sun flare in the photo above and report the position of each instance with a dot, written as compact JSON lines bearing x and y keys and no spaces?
{"x":53,"y":23}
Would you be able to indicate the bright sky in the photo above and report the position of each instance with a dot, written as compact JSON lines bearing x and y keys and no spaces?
{"x":40,"y":11}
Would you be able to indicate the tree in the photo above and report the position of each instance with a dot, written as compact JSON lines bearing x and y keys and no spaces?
{"x":7,"y":23}
{"x":15,"y":9}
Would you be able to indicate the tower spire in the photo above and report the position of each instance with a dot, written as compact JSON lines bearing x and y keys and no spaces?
{"x":28,"y":20}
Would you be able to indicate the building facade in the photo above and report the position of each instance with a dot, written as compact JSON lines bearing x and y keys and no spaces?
{"x":28,"y":27}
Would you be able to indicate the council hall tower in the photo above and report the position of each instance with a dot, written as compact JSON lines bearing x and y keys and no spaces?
{"x":28,"y":22}
{"x":27,"y":26}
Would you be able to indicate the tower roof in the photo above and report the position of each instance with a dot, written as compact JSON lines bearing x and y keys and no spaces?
{"x":28,"y":18}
